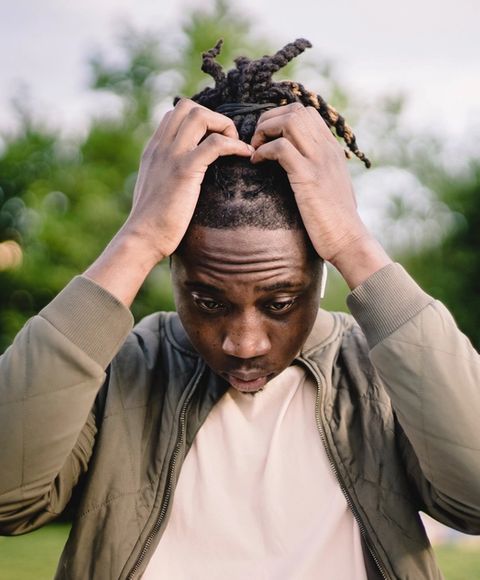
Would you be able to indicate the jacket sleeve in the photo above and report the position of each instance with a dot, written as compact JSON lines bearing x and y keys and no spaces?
{"x":49,"y":378}
{"x":432,"y":375}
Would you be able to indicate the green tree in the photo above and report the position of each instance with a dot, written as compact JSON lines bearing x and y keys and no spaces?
{"x":450,"y":270}
{"x":62,"y":201}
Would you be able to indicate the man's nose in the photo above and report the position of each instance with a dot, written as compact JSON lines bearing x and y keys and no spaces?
{"x":246,"y":338}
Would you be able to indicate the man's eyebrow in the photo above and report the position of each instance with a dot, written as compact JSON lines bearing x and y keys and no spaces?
{"x":280,"y":285}
{"x":201,"y":286}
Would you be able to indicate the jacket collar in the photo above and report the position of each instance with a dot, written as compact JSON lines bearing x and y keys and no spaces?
{"x":325,"y":329}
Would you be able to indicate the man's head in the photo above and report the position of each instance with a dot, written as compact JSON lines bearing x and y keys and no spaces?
{"x":247,"y":297}
{"x":246,"y":277}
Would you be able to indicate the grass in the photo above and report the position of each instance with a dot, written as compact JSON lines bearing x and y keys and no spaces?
{"x":459,"y":562}
{"x":34,"y":556}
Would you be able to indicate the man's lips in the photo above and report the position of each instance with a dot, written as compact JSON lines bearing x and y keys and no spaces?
{"x":247,"y":382}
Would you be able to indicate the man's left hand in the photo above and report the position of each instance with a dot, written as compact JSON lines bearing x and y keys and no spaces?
{"x":299,"y":139}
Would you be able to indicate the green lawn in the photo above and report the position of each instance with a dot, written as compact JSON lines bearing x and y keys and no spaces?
{"x":459,"y":563}
{"x":34,"y":556}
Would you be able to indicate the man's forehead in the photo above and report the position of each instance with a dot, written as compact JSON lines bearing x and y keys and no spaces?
{"x":244,"y":245}
{"x":246,"y":258}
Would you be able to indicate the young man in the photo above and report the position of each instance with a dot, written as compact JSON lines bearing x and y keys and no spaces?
{"x":312,"y":441}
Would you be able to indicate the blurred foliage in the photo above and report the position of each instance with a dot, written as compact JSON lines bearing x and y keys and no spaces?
{"x":450,"y":270}
{"x":62,"y":200}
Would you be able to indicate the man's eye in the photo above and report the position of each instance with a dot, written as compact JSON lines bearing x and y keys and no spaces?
{"x":280,"y":306}
{"x":208,"y":305}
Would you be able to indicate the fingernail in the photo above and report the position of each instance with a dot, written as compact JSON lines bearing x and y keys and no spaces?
{"x":251,"y":148}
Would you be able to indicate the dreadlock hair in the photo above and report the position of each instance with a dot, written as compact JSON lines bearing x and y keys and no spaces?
{"x":235,"y":192}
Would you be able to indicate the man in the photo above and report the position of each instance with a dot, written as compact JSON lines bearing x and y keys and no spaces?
{"x":305,"y":458}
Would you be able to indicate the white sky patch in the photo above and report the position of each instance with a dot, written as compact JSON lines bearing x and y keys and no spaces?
{"x":427,"y":49}
{"x":387,"y":193}
{"x":423,"y":50}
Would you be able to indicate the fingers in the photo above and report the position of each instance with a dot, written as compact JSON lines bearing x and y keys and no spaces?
{"x":302,"y":125}
{"x":293,"y":123}
{"x":321,"y":125}
{"x":190,"y":122}
{"x":281,"y":150}
{"x":183,"y":128}
{"x":176,"y":116}
{"x":290,"y":128}
{"x":157,"y":135}
{"x":198,"y":122}
{"x":271,"y":113}
{"x":217,"y":145}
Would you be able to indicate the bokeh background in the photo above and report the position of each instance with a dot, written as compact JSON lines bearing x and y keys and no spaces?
{"x":83,"y":85}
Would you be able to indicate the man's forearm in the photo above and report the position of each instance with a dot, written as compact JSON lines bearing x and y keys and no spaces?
{"x":50,"y":377}
{"x":431,"y":373}
{"x":360,"y":260}
{"x":122,"y":267}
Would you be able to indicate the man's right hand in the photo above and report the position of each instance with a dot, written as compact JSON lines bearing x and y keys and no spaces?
{"x":172,"y":170}
{"x":189,"y":138}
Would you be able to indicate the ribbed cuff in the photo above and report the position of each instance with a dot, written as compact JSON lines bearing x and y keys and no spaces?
{"x":386,"y":301}
{"x":91,"y":318}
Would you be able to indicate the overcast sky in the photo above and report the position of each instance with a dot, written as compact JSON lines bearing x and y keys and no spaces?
{"x":428,"y":48}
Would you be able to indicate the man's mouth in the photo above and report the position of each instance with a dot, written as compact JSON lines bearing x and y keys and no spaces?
{"x":248,"y":382}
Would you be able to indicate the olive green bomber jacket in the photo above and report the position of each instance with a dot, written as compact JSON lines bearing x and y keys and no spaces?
{"x":87,"y":404}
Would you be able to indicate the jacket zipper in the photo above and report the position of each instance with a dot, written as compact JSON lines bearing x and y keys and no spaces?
{"x":168,"y":490}
{"x":171,"y":470}
{"x":334,"y":468}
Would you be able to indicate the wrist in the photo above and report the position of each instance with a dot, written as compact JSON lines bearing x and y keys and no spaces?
{"x":361,"y":258}
{"x":122,"y":267}
{"x":136,"y":242}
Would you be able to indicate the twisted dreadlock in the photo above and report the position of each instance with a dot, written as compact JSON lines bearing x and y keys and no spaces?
{"x":251,"y":82}
{"x":264,"y":186}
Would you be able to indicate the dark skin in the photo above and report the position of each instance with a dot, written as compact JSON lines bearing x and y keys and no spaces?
{"x":246,"y":340}
{"x":190,"y":138}
{"x":247,"y":298}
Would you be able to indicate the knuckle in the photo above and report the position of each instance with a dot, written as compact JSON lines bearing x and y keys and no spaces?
{"x":148,"y":151}
{"x":215,"y":140}
{"x":282,"y":143}
{"x":291,"y":121}
{"x":196,"y":113}
{"x":184,"y":104}
{"x":178,"y":165}
{"x":296,"y":106}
